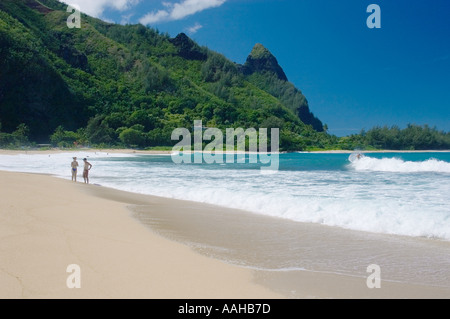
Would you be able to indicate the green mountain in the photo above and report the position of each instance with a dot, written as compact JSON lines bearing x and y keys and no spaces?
{"x":262,"y":69}
{"x":112,"y":84}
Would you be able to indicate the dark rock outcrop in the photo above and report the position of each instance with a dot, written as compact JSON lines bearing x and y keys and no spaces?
{"x":74,"y":57}
{"x":187,"y":48}
{"x":260,"y":60}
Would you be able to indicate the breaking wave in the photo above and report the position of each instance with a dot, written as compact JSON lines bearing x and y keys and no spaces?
{"x":367,"y":163}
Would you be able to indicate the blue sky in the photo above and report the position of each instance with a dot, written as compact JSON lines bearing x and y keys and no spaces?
{"x":353,"y":77}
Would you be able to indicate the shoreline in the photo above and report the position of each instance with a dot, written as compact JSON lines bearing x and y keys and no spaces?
{"x":154,"y":152}
{"x":239,"y":236}
{"x":43,"y":230}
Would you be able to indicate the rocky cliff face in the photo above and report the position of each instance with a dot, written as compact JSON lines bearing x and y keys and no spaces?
{"x":260,"y":60}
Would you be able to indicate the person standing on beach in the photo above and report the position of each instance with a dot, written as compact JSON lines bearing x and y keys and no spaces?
{"x":74,"y":166}
{"x":87,"y":167}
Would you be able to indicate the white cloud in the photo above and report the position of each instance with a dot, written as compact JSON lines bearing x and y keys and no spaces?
{"x":96,"y":8}
{"x":188,"y":7}
{"x":153,"y":17}
{"x":167,"y":4}
{"x":194,"y":28}
{"x":180,"y":10}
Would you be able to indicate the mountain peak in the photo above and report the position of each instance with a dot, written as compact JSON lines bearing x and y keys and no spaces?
{"x":187,"y":48}
{"x":259,"y":51}
{"x":261,"y":59}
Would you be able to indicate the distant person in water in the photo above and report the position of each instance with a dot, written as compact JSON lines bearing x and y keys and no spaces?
{"x":87,"y":167}
{"x":74,"y":166}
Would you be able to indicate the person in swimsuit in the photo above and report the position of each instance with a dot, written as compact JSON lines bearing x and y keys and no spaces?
{"x":87,"y":167}
{"x":74,"y":166}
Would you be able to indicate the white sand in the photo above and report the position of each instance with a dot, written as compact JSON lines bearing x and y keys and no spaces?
{"x":47,"y":224}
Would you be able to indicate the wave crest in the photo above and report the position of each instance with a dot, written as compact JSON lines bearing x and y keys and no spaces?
{"x":398,"y":165}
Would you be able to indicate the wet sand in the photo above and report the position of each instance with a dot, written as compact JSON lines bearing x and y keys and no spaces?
{"x":329,"y":262}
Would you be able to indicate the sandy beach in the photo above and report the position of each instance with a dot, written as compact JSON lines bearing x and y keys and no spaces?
{"x":48,"y":224}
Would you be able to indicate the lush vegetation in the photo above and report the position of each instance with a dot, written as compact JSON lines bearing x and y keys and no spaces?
{"x":131,"y":86}
{"x":413,"y":137}
{"x":16,"y":139}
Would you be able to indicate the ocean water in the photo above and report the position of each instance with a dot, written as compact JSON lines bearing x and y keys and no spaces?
{"x":391,"y":193}
{"x":318,"y":212}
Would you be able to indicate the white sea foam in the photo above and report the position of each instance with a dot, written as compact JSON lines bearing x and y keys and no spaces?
{"x":376,"y":214}
{"x":377,"y":195}
{"x":398,"y":165}
{"x":410,"y":205}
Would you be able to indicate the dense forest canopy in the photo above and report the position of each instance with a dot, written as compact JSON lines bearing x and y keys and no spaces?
{"x":113,"y":85}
